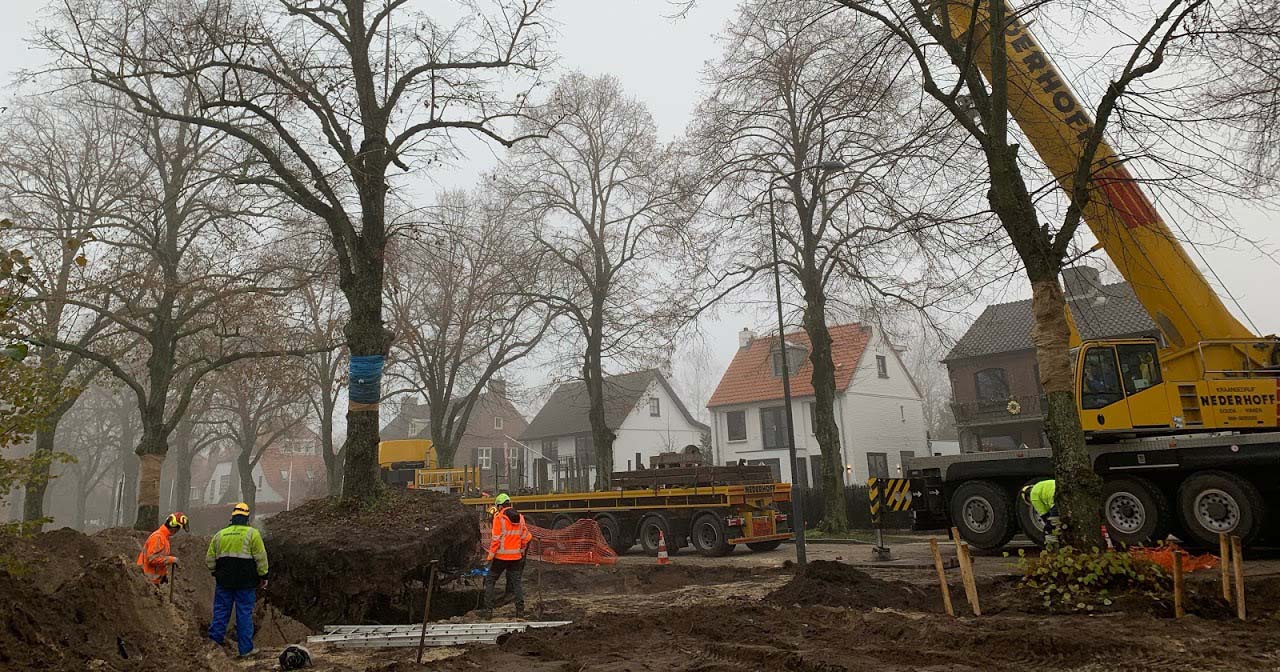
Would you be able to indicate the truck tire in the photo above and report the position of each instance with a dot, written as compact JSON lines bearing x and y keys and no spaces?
{"x":764,"y":546}
{"x":1213,"y":502}
{"x":612,"y":533}
{"x":561,"y":521}
{"x":709,"y":536}
{"x":983,"y":512}
{"x":650,"y":525}
{"x":1028,"y":520}
{"x":1136,"y":512}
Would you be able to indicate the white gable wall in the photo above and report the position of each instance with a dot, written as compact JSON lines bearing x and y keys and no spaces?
{"x":882,"y":415}
{"x":642,"y":433}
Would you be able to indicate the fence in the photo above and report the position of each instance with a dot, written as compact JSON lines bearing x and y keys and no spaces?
{"x":857,"y":508}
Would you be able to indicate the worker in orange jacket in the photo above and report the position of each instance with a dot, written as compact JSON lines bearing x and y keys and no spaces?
{"x":508,"y":541}
{"x":155,"y":557}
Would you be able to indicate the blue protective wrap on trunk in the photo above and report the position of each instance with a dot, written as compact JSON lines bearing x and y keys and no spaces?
{"x":366,"y":379}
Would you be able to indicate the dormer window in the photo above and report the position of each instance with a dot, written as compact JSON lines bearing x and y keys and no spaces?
{"x":795,"y":359}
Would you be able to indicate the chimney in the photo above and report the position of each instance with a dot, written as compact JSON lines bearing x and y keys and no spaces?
{"x":665,"y":369}
{"x":745,"y":337}
{"x":1080,"y":282}
{"x":498,"y":386}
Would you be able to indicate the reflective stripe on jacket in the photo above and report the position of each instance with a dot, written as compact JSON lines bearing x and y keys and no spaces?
{"x":1042,"y":496}
{"x":237,"y":557}
{"x":154,"y":558}
{"x":508,"y":539}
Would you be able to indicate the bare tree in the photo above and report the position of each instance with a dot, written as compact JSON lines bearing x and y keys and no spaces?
{"x":327,"y":97}
{"x":65,"y":166}
{"x":609,"y":207}
{"x":468,"y":313}
{"x":800,"y":86}
{"x":90,"y":431}
{"x":318,"y":320}
{"x":256,"y":404}
{"x":959,"y":67}
{"x":177,"y":264}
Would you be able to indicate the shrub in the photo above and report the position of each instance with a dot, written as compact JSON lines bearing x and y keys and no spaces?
{"x":1067,"y":579}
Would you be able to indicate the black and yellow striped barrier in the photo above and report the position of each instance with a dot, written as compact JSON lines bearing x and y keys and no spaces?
{"x":892,"y":494}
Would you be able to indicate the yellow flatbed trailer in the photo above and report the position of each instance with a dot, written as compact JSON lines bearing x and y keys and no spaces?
{"x":712,"y":519}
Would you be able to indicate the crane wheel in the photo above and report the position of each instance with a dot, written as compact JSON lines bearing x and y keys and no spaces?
{"x":1213,"y":502}
{"x":1136,"y":512}
{"x":983,"y":512}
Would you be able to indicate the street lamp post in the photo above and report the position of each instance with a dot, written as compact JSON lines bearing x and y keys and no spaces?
{"x":797,"y":502}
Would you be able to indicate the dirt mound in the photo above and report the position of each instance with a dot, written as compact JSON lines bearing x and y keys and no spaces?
{"x":334,"y":563}
{"x":835,"y":584}
{"x":81,"y":603}
{"x":637,"y":579}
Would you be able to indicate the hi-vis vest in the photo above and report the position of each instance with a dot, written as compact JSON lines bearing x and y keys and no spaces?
{"x":508,"y":538}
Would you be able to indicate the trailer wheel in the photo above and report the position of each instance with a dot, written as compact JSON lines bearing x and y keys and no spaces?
{"x":649,"y":529}
{"x":612,"y":533}
{"x":561,"y":521}
{"x":764,"y":546}
{"x":709,"y":536}
{"x":1213,"y":502}
{"x":1135,"y":510}
{"x":983,"y":512}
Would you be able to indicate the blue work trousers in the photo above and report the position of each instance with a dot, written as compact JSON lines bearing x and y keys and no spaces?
{"x":242,"y":599}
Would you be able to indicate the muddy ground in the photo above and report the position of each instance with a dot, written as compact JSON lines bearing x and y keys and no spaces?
{"x":747,"y":612}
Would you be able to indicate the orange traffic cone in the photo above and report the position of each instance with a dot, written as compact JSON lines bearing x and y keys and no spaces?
{"x":663,"y":558}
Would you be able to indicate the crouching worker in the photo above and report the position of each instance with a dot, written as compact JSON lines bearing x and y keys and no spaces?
{"x":1040,"y":497}
{"x":510,"y":538}
{"x":238,"y":561}
{"x":156,"y":558}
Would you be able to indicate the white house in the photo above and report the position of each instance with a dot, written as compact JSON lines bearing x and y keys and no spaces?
{"x":879,"y":412}
{"x":645,"y":413}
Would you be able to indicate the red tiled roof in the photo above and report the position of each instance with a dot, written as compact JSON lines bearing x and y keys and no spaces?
{"x":750,"y":378}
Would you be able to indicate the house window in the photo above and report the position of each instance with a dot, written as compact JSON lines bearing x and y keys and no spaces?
{"x":736,"y":422}
{"x":195,"y":495}
{"x":774,"y":464}
{"x":813,"y":417}
{"x":497,"y":422}
{"x":815,"y":469}
{"x":773,"y":427}
{"x":484,"y":457}
{"x":991,"y":385}
{"x":224,"y":482}
{"x":550,"y":449}
{"x":417,"y":427}
{"x":284,"y":475}
{"x":802,"y":473}
{"x":795,"y":359}
{"x":877,"y":465}
{"x":903,"y":458}
{"x":882,"y":366}
{"x":902,"y":410}
{"x":310,"y":473}
{"x":655,"y":409}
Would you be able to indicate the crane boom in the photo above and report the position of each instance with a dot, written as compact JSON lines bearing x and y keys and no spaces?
{"x":1122,"y":217}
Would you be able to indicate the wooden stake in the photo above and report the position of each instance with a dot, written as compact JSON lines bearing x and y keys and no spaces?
{"x":1224,"y":564}
{"x":1178,"y":585}
{"x":942,"y":577}
{"x":173,"y":578}
{"x":1237,"y":562}
{"x":966,"y":573}
{"x":426,"y":611}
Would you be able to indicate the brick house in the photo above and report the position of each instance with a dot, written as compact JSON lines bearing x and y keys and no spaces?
{"x":879,"y":409}
{"x":994,"y":362}
{"x":489,"y":440}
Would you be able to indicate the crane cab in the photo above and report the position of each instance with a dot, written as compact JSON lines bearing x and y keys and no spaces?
{"x":1126,"y":386}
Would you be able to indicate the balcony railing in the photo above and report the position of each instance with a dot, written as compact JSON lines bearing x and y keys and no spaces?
{"x":993,"y":411}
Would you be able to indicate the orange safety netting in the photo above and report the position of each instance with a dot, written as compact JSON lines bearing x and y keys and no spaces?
{"x":1163,"y":556}
{"x":578,"y":544}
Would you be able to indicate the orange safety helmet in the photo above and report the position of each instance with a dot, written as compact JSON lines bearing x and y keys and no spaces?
{"x":177,"y":519}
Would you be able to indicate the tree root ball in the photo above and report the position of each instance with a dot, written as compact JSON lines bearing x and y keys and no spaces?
{"x":338,"y":562}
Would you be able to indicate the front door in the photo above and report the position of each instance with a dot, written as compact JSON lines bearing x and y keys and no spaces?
{"x":1143,"y":385}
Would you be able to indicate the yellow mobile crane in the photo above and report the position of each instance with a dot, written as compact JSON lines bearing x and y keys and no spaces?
{"x":1185,"y":424}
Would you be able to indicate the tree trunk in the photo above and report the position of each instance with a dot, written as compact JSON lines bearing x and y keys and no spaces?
{"x":37,"y":488}
{"x":332,"y":466}
{"x":601,"y":436}
{"x":82,"y":504}
{"x":826,"y":430}
{"x":182,"y":481}
{"x":151,"y":452}
{"x":248,"y":489}
{"x":365,"y":336}
{"x":1079,"y":493}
